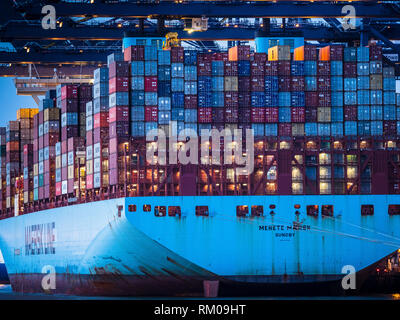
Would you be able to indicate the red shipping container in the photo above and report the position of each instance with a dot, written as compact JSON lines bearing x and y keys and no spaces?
{"x":151,"y":114}
{"x":298,"y":114}
{"x":204,"y":68}
{"x":119,"y":69}
{"x":257,"y":115}
{"x":244,"y":84}
{"x":231,"y":68}
{"x":69,"y":91}
{"x":375,"y":53}
{"x":89,"y":138}
{"x":324,"y":83}
{"x":190,"y":102}
{"x":336,"y":53}
{"x":311,"y":98}
{"x":219,"y":56}
{"x":67,"y":105}
{"x":201,"y":57}
{"x":101,"y":135}
{"x":101,"y":119}
{"x":134,"y":53}
{"x":244,"y":99}
{"x":119,"y":129}
{"x":284,"y":68}
{"x":70,"y":186}
{"x":260,"y":57}
{"x":285,"y":129}
{"x":89,"y":181}
{"x":298,"y":83}
{"x":284,"y":83}
{"x":204,"y":115}
{"x":218,"y":115}
{"x":323,"y":68}
{"x":271,"y":68}
{"x":271,"y":114}
{"x":177,"y":54}
{"x":150,"y":84}
{"x":349,"y":69}
{"x":324,"y":99}
{"x":58,"y":188}
{"x":85,"y":92}
{"x":118,"y":84}
{"x":231,"y":114}
{"x":118,"y":113}
{"x":257,"y":68}
{"x":311,"y":114}
{"x":350,"y":113}
{"x":231,"y":99}
{"x":310,"y":52}
{"x":257,"y":83}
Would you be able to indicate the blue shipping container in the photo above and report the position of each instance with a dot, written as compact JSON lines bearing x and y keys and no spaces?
{"x":137,"y":83}
{"x":137,"y":68}
{"x":178,"y":114}
{"x":336,"y":68}
{"x":190,"y":73}
{"x":298,"y":99}
{"x":271,"y":99}
{"x":297,"y":68}
{"x":362,"y":54}
{"x":217,"y":68}
{"x":389,"y":112}
{"x":310,"y":129}
{"x":244,"y":68}
{"x":217,"y":99}
{"x":389,"y":97}
{"x":350,"y":128}
{"x":284,"y":99}
{"x":177,"y":85}
{"x":137,"y":98}
{"x":178,"y":100}
{"x":164,"y":57}
{"x":284,"y":114}
{"x":350,"y":84}
{"x":258,"y":129}
{"x":150,"y":53}
{"x":310,"y":68}
{"x":376,"y":97}
{"x":271,"y":83}
{"x":363,"y":97}
{"x":137,"y":129}
{"x":337,"y":129}
{"x":337,"y":83}
{"x":363,"y":83}
{"x":376,"y":128}
{"x":376,"y":113}
{"x":150,"y":68}
{"x":271,"y":129}
{"x":164,"y":88}
{"x":190,"y":57}
{"x":350,"y":98}
{"x":177,"y":70}
{"x":363,"y":68}
{"x":363,"y":113}
{"x":337,"y":99}
{"x":258,"y":99}
{"x":164,"y":103}
{"x":137,"y":113}
{"x":217,"y":83}
{"x":336,"y":114}
{"x":164,"y":73}
{"x":310,"y":83}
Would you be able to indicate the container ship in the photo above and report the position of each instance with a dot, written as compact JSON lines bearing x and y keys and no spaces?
{"x":81,"y":199}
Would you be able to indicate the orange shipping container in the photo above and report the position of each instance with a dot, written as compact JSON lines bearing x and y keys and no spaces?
{"x":325,"y":53}
{"x":239,"y":53}
{"x":298,"y":54}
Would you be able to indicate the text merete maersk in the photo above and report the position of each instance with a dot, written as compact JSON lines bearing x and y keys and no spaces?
{"x":281,"y":227}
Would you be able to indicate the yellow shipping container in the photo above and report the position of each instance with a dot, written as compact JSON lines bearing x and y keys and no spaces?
{"x":23,"y":113}
{"x":33,"y":112}
{"x":281,"y":53}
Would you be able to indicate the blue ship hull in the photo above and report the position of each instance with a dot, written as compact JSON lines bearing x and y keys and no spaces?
{"x":106,"y":248}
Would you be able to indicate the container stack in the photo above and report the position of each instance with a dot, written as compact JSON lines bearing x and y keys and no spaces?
{"x":217,"y":91}
{"x":173,"y":99}
{"x":51,"y":135}
{"x":85,"y":95}
{"x":134,"y":55}
{"x":28,"y":173}
{"x":12,"y":161}
{"x":76,"y":165}
{"x":190,"y":93}
{"x":3,"y":154}
{"x":119,"y":117}
{"x":231,"y":96}
{"x":204,"y":93}
{"x":97,"y":133}
{"x":238,"y":71}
